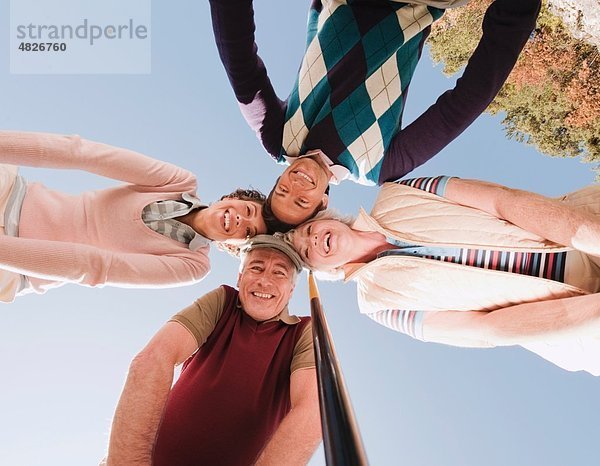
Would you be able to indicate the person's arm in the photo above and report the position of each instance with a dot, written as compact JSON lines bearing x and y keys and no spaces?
{"x":548,"y":218}
{"x":299,"y":434}
{"x":89,"y":265}
{"x":516,"y":325}
{"x":144,"y":396}
{"x":233,"y":26}
{"x":72,"y":152}
{"x":506,"y":27}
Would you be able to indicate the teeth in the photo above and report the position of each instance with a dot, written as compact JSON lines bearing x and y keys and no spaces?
{"x":262,"y":295}
{"x":227,"y":217}
{"x":305,"y":176}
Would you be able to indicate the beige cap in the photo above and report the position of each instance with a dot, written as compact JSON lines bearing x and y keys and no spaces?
{"x":271,"y":242}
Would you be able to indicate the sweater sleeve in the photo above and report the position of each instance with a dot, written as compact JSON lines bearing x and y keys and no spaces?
{"x":431,"y":184}
{"x":506,"y":27}
{"x":89,"y":265}
{"x":407,"y":322}
{"x":72,"y":152}
{"x":233,"y":26}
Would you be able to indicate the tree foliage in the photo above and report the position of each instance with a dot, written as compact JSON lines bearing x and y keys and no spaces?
{"x":552,"y":98}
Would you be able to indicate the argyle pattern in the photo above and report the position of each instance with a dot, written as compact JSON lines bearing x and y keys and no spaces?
{"x":349,"y":96}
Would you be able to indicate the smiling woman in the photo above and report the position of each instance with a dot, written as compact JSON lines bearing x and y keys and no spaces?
{"x":233,"y":219}
{"x":474,"y":264}
{"x":328,"y":244}
{"x":151,"y":232}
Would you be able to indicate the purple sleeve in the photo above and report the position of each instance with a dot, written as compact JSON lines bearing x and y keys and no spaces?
{"x":506,"y":27}
{"x":233,"y":26}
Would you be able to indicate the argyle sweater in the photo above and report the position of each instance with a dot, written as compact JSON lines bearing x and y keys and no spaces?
{"x":351,"y":90}
{"x":353,"y":81}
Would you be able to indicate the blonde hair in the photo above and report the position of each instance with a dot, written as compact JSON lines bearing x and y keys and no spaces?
{"x":336,"y":273}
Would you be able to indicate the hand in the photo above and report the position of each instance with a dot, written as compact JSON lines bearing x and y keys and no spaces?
{"x":587,"y":238}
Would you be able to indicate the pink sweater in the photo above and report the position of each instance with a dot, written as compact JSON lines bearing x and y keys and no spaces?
{"x":97,"y":237}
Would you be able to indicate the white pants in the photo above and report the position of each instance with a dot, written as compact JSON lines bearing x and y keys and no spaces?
{"x":583,"y":270}
{"x":10,"y":282}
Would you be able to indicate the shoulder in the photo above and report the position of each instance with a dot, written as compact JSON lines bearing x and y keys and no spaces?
{"x":303,"y":355}
{"x":201,"y":317}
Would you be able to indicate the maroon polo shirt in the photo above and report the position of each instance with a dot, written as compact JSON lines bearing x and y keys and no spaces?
{"x":232,"y":393}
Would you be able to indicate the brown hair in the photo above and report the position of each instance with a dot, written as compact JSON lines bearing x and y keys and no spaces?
{"x":252,"y":195}
{"x":246,"y":195}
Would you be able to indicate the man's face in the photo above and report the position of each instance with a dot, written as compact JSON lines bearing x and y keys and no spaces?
{"x":300,"y":191}
{"x":233,"y":220}
{"x":324,"y":244}
{"x":266,"y":283}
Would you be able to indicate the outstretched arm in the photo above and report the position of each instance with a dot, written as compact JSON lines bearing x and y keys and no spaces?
{"x":515,"y":325}
{"x":548,"y":218}
{"x":506,"y":27}
{"x":72,"y":152}
{"x":89,"y":265}
{"x":233,"y":26}
{"x":145,"y":394}
{"x":299,"y":433}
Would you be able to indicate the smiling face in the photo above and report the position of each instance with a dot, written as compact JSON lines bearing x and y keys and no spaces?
{"x":230,"y":220}
{"x":266,"y":283}
{"x":324,"y":244}
{"x":300,"y":191}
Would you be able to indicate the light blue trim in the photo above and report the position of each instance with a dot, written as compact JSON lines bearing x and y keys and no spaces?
{"x":418,"y":324}
{"x":406,"y":249}
{"x":441,"y":187}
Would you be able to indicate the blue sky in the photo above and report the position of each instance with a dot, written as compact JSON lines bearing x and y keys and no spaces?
{"x":64,"y":355}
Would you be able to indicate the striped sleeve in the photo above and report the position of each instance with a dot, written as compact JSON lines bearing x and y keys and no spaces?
{"x":434,"y":185}
{"x":407,"y":322}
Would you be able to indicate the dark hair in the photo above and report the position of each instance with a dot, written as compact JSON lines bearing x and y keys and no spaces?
{"x":252,"y":195}
{"x":275,"y":225}
{"x":246,"y":195}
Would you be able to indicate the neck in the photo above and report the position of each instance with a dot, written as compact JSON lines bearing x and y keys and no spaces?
{"x":317,"y":158}
{"x":194,"y":219}
{"x":368,"y":245}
